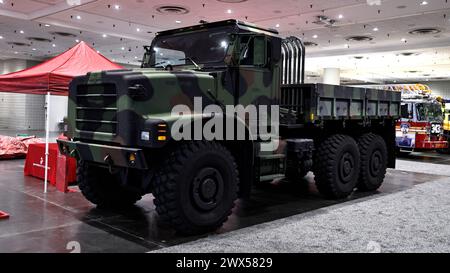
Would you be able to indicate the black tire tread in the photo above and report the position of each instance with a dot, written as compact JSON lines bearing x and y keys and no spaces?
{"x":324,"y":163}
{"x":364,"y":143}
{"x":112,"y":196}
{"x":165,"y":186}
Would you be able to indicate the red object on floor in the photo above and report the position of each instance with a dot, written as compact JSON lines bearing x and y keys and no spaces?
{"x":16,"y":147}
{"x":3,"y":215}
{"x":61,"y":169}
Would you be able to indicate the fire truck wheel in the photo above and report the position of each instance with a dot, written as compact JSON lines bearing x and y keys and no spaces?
{"x":373,"y":152}
{"x":102,"y":188}
{"x":337,"y":166}
{"x":196,"y":187}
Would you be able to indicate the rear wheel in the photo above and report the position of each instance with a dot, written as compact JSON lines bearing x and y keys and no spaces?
{"x":196,"y":187}
{"x":102,"y":188}
{"x":373,"y":162}
{"x":337,"y":166}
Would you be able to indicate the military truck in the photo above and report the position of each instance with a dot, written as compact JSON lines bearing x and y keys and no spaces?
{"x":121,"y":126}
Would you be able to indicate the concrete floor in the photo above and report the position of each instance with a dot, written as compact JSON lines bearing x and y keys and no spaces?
{"x":280,"y":217}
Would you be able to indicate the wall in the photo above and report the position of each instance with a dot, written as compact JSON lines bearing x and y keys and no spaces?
{"x":20,"y":111}
{"x":440,"y":88}
{"x":58,"y":111}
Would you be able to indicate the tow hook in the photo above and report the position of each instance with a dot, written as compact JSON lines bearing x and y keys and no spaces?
{"x":108,"y":160}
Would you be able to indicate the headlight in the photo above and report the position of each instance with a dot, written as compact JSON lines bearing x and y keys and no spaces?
{"x":145,"y":136}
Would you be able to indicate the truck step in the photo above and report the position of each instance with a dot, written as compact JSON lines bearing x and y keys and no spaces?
{"x":271,"y":177}
{"x":271,"y":156}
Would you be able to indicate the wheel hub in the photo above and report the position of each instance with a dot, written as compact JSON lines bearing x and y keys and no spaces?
{"x":346,"y":167}
{"x":207,"y":189}
{"x":375,"y":163}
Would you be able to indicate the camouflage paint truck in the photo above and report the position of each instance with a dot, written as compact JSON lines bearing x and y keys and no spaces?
{"x":121,"y":126}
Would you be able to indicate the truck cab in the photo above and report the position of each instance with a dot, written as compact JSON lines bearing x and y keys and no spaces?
{"x":421,"y":126}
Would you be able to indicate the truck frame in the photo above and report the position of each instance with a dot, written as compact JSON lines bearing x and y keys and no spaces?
{"x":121,"y":126}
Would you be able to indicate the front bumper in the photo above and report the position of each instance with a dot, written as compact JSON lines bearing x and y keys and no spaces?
{"x":103,"y":154}
{"x":431,"y":145}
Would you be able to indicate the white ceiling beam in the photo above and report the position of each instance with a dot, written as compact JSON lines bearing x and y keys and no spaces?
{"x":13,"y":14}
{"x":57,"y":8}
{"x":439,"y":43}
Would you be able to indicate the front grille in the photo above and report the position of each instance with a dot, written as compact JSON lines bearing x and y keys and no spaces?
{"x":97,"y":108}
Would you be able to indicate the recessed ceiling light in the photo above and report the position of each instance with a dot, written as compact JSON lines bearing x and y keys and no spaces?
{"x":117,"y":7}
{"x":98,"y":51}
{"x":135,"y":57}
{"x":229,"y":11}
{"x":34,"y":49}
{"x":403,"y":40}
{"x":47,"y":25}
{"x":78,"y":17}
{"x":277,"y":25}
{"x":340,"y":16}
{"x":104,"y":35}
{"x":16,"y":52}
{"x":123,"y":48}
{"x":424,"y":3}
{"x":178,"y":21}
{"x":22,"y":32}
{"x":315,"y":36}
{"x":53,"y":45}
{"x":1,"y":37}
{"x":375,"y":29}
{"x":77,"y":40}
{"x":138,"y":30}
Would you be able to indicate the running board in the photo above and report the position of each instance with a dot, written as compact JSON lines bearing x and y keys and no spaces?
{"x":271,"y":177}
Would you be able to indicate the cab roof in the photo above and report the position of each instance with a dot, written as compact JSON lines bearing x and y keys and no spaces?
{"x":231,"y":22}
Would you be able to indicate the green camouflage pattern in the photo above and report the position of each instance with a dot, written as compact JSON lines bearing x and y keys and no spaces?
{"x":109,"y":110}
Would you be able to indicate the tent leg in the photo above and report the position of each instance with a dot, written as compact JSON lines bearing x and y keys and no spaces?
{"x":47,"y":129}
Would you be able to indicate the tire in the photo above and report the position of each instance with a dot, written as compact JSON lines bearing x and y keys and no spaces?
{"x":337,"y":166}
{"x":196,"y":187}
{"x":102,"y":188}
{"x":374,"y":156}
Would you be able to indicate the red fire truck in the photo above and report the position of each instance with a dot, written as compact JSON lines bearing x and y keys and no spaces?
{"x":421,"y":125}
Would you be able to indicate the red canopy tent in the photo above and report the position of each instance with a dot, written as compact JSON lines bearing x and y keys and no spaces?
{"x":53,"y":77}
{"x":55,"y":74}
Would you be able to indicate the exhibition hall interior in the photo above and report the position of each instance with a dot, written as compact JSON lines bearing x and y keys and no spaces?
{"x":224,"y":126}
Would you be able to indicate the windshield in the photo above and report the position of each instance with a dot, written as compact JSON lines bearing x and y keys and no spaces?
{"x":205,"y":48}
{"x":431,"y":112}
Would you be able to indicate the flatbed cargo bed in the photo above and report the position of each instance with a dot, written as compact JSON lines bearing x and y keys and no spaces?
{"x":312,"y":103}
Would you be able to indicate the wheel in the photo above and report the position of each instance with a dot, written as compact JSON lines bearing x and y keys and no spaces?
{"x":102,"y":188}
{"x":196,"y":187}
{"x":374,"y":155}
{"x":337,"y":166}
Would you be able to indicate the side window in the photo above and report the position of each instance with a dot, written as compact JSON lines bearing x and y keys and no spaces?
{"x":254,"y":51}
{"x":405,"y":111}
{"x":247,"y":48}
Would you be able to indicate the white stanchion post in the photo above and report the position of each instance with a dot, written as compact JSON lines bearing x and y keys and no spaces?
{"x":47,"y":129}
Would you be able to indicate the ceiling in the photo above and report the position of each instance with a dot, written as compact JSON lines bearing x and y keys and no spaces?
{"x":118,"y":29}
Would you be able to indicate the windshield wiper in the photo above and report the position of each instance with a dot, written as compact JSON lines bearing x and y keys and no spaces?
{"x":153,"y":65}
{"x":192,"y":61}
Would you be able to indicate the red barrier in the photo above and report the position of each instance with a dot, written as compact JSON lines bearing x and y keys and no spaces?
{"x":61,"y":169}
